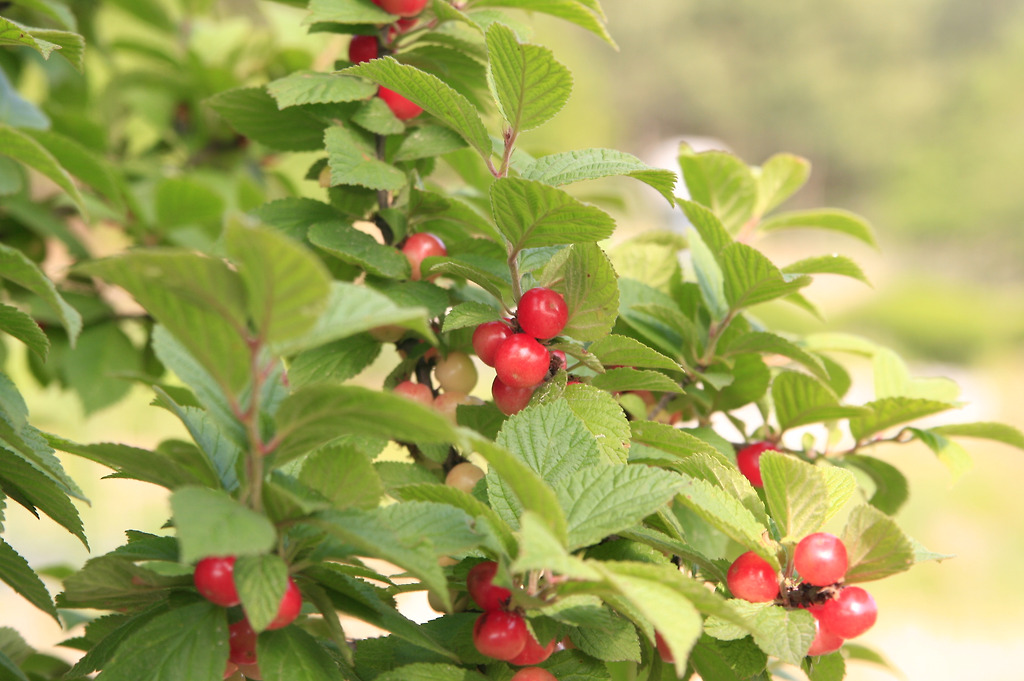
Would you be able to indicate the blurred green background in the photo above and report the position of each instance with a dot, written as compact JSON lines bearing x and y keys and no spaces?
{"x":912,"y":114}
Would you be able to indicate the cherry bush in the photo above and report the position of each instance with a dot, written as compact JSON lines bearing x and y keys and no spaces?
{"x":644,"y":496}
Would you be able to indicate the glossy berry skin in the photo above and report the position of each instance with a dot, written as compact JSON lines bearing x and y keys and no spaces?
{"x":521,"y":361}
{"x":415,"y":391}
{"x":852,"y":612}
{"x":464,"y":476}
{"x":363,"y":48}
{"x":487,"y":338}
{"x":749,"y":461}
{"x":480,"y":584}
{"x":751,"y":578}
{"x":533,"y":652}
{"x":399,"y":105}
{"x":825,"y":641}
{"x":456,"y":372}
{"x":534,"y":674}
{"x":663,"y":651}
{"x":241,"y":643}
{"x":403,"y":8}
{"x":291,"y":604}
{"x":510,"y":400}
{"x":214,"y":577}
{"x":419,"y":246}
{"x":821,"y":559}
{"x":542,"y":312}
{"x":499,"y":634}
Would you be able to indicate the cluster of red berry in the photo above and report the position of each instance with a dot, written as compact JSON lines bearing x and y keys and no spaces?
{"x":214,"y":577}
{"x":501,"y":633}
{"x":519,"y":358}
{"x":367,"y":47}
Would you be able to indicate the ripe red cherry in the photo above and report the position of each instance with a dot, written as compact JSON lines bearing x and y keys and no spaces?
{"x":542,"y":312}
{"x":533,"y":674}
{"x":749,"y":461}
{"x":456,"y":372}
{"x":663,"y":651}
{"x":521,"y":361}
{"x":825,"y":641}
{"x":533,"y":652}
{"x":399,"y":105}
{"x":486,"y":339}
{"x":415,"y":391}
{"x":751,"y":578}
{"x":510,"y":400}
{"x":241,"y":643}
{"x":215,"y":579}
{"x":499,"y":634}
{"x":849,"y":614}
{"x":362,"y":48}
{"x":820,"y":558}
{"x":480,"y":584}
{"x":288,"y":610}
{"x":403,"y":8}
{"x":420,"y":246}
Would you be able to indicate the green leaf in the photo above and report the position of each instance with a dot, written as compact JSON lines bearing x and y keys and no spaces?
{"x":254,"y":113}
{"x":750,"y":278}
{"x":376,"y":116}
{"x":734,"y":660}
{"x":314,"y":87}
{"x":674,"y":442}
{"x":21,"y":326}
{"x":354,"y":162}
{"x":81,"y":162}
{"x":12,"y":33}
{"x":841,"y":485}
{"x":551,"y":439}
{"x":432,"y":94}
{"x":875,"y":545}
{"x":527,"y":83}
{"x":111,"y":582}
{"x":891,"y":489}
{"x":465,"y":315}
{"x":347,"y":12}
{"x":103,"y":353}
{"x":618,"y":642}
{"x":892,"y":411}
{"x":769,"y":343}
{"x":830,"y":219}
{"x":316,"y":415}
{"x":130,"y":462}
{"x":893,"y":379}
{"x":443,"y":494}
{"x":29,"y":485}
{"x":293,"y":216}
{"x":779,"y":178}
{"x":710,"y":277}
{"x":601,"y":501}
{"x":334,"y":362}
{"x":724,"y":475}
{"x":261,"y":582}
{"x":427,"y":141}
{"x":578,"y":12}
{"x":797,"y":495}
{"x":71,"y":45}
{"x":591,"y":164}
{"x":484,"y":272}
{"x":16,"y":572}
{"x":708,"y":225}
{"x":17,"y":112}
{"x":15,"y":266}
{"x":350,"y":245}
{"x":344,"y":476}
{"x":586,"y":279}
{"x":722,"y":183}
{"x":629,"y":352}
{"x":423,"y":671}
{"x":998,"y":432}
{"x":603,"y":417}
{"x":785,"y":634}
{"x":185,"y":644}
{"x":953,"y":456}
{"x":447,"y":528}
{"x":530,"y":215}
{"x":828,"y":264}
{"x":616,"y":380}
{"x":211,"y":523}
{"x":801,"y":399}
{"x":9,"y":670}
{"x":831,"y":667}
{"x":539,"y":549}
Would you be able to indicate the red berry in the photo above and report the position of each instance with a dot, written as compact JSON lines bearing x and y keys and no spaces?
{"x":521,"y":361}
{"x":241,"y":643}
{"x":486,"y":339}
{"x":215,"y":579}
{"x":849,"y":614}
{"x":749,"y":461}
{"x":820,"y":558}
{"x":456,"y":372}
{"x":420,"y":246}
{"x":399,"y":105}
{"x":533,"y":674}
{"x":510,"y":400}
{"x":533,"y":652}
{"x":542,"y":312}
{"x":403,"y":8}
{"x":825,"y":641}
{"x":362,"y":48}
{"x":288,"y":610}
{"x":663,"y":651}
{"x":480,"y":584}
{"x":415,"y":391}
{"x":751,"y":578}
{"x":499,"y":634}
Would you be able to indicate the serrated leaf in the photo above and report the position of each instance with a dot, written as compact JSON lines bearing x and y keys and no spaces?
{"x":797,"y":494}
{"x":71,"y":44}
{"x":724,"y":475}
{"x":427,"y":141}
{"x":841,"y":485}
{"x":15,"y":266}
{"x":531,"y":215}
{"x":211,"y":523}
{"x":254,"y":113}
{"x":891,"y":489}
{"x":424,"y":671}
{"x":481,"y":270}
{"x":892,"y":411}
{"x":29,"y":485}
{"x":314,"y":87}
{"x":432,"y":95}
{"x":629,"y":352}
{"x":672,"y":441}
{"x":735,"y":660}
{"x":591,"y":164}
{"x":334,"y":362}
{"x":770,"y":343}
{"x":586,"y":279}
{"x":16,"y":573}
{"x":600,"y":501}
{"x":551,"y":439}
{"x":603,"y":417}
{"x":778,"y":178}
{"x":527,"y":83}
{"x":469,"y":314}
{"x":618,"y":642}
{"x":722,"y":183}
{"x":575,"y":11}
{"x":785,"y":634}
{"x":801,"y":399}
{"x":111,"y":582}
{"x":12,"y":33}
{"x":21,"y":326}
{"x":376,"y":117}
{"x":831,"y":667}
{"x":343,"y":476}
{"x":443,"y":494}
{"x":998,"y":432}
{"x":830,"y":219}
{"x":353,"y":162}
{"x":350,"y":245}
{"x":828,"y":264}
{"x":616,"y":380}
{"x":130,"y":462}
{"x":875,"y":545}
{"x":952,"y":455}
{"x":750,"y":278}
{"x":261,"y":582}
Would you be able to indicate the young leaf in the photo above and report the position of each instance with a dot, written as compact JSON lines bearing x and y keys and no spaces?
{"x":314,"y":87}
{"x":579,"y":12}
{"x":591,"y":164}
{"x":12,"y":33}
{"x":708,"y":225}
{"x":800,"y":399}
{"x":583,"y":274}
{"x":528,"y":84}
{"x":15,"y":266}
{"x":785,"y":634}
{"x":778,"y":178}
{"x":353,"y":162}
{"x":797,"y":494}
{"x":875,"y":545}
{"x":710,"y":277}
{"x":530,"y":215}
{"x":261,"y":583}
{"x":892,"y":411}
{"x":722,"y":183}
{"x":469,"y":314}
{"x":750,"y":278}
{"x":16,"y":572}
{"x":951,"y":454}
{"x":211,"y":523}
{"x":829,"y":219}
{"x":893,"y":379}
